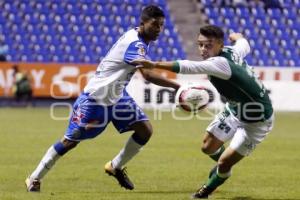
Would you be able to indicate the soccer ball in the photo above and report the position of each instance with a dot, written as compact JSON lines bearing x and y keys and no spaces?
{"x":192,"y":98}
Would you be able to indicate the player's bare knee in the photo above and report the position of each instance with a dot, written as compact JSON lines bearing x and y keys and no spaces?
{"x":224,"y":166}
{"x":204,"y":149}
{"x":143,"y":130}
{"x":69,"y":144}
{"x":144,"y":135}
{"x":149,"y":132}
{"x":206,"y":145}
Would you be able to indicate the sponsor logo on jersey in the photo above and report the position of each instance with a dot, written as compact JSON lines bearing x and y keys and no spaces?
{"x":141,"y":49}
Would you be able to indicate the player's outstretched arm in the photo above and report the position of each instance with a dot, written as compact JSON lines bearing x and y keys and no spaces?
{"x":166,"y":65}
{"x":157,"y":79}
{"x":217,"y":66}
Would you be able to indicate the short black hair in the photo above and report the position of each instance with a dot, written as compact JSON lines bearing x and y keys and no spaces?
{"x":212,"y":31}
{"x":151,"y":11}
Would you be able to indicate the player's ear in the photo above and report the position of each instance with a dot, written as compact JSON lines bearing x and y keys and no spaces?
{"x":221,"y":43}
{"x":142,"y":25}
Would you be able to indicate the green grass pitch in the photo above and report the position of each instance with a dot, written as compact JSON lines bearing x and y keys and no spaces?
{"x":170,"y":167}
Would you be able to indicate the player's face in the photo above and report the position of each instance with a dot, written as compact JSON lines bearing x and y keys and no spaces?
{"x":152,"y":28}
{"x":209,"y":47}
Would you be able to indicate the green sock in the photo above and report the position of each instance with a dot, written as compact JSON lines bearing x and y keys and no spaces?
{"x":215,"y":156}
{"x":215,"y":180}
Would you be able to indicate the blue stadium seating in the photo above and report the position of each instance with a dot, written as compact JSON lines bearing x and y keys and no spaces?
{"x":274,"y":33}
{"x":77,"y":31}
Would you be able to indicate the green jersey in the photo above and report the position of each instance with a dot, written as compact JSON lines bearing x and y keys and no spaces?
{"x":246,"y":96}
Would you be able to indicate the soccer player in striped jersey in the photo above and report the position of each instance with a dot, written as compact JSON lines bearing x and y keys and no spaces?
{"x":106,"y":100}
{"x":248,"y":114}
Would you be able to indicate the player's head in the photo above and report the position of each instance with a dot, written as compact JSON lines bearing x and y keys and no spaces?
{"x":152,"y":22}
{"x":15,"y":69}
{"x":210,"y":41}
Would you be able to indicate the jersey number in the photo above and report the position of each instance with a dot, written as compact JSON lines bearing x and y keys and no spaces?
{"x":224,"y":127}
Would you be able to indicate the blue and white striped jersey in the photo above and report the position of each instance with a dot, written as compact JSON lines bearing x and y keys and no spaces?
{"x":115,"y":71}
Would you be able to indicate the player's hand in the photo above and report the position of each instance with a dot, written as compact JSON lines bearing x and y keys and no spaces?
{"x":235,"y":36}
{"x":144,"y":63}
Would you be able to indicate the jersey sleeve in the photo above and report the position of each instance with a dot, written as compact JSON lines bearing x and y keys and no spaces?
{"x":241,"y":47}
{"x":136,"y":50}
{"x":215,"y":66}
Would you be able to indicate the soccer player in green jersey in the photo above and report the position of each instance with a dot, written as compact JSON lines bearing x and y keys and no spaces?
{"x":248,"y":114}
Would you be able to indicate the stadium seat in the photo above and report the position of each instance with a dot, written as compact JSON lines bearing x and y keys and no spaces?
{"x":82,"y":30}
{"x":273,"y":32}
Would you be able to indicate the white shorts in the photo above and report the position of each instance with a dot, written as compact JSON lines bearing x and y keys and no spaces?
{"x":245,"y":136}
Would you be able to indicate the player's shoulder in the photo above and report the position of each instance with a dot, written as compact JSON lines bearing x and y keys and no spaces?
{"x":229,"y":53}
{"x":217,"y":59}
{"x":135,"y":43}
{"x":228,"y":49}
{"x":132,"y":39}
{"x":241,"y":47}
{"x":132,"y":36}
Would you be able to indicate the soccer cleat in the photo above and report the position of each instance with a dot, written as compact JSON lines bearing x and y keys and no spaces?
{"x":202,"y":192}
{"x":120,"y":175}
{"x":33,"y":185}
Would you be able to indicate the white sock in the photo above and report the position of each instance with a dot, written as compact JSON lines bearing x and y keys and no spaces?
{"x":224,"y":175}
{"x":129,"y":151}
{"x":45,"y":164}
